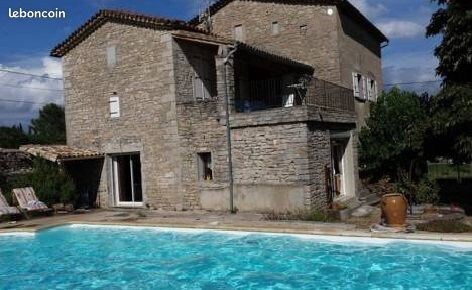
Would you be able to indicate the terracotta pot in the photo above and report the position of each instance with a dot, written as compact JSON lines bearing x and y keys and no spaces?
{"x":394,"y":207}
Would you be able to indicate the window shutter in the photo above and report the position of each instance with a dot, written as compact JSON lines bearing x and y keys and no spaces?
{"x":114,"y":106}
{"x":239,"y":33}
{"x":355,"y":84}
{"x":364,"y":88}
{"x":111,"y":56}
{"x":376,"y":92}
{"x":369,"y":89}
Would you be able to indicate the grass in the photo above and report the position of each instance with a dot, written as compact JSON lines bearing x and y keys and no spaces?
{"x":444,"y":227}
{"x":300,"y":215}
{"x":444,"y":170}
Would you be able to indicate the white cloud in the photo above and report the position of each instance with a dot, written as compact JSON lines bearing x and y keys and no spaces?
{"x":368,"y":9}
{"x":415,"y":68}
{"x":27,"y":88}
{"x":396,"y":29}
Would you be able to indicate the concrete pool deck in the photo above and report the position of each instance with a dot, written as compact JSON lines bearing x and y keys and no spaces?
{"x":247,"y":222}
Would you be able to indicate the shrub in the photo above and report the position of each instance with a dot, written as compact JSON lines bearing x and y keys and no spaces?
{"x":427,"y":191}
{"x":50,"y":182}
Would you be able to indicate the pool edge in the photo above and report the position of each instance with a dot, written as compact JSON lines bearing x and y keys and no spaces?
{"x":414,"y":237}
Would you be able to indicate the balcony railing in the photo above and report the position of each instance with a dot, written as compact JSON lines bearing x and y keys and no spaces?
{"x":329,"y":95}
{"x":273,"y":93}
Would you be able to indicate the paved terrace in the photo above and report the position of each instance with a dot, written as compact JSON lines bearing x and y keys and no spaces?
{"x":217,"y":220}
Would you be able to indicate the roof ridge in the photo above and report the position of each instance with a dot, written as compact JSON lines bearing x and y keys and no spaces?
{"x":120,"y":16}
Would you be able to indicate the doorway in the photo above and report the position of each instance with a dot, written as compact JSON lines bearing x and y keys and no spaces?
{"x":338,"y":152}
{"x":126,"y":172}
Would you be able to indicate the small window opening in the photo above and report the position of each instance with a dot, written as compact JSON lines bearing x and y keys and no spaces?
{"x":303,"y":29}
{"x":275,"y":28}
{"x":114,"y":106}
{"x":238,"y":33}
{"x":205,"y":169}
{"x":111,"y":56}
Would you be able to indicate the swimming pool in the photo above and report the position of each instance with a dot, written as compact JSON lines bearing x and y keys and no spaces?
{"x":85,"y":257}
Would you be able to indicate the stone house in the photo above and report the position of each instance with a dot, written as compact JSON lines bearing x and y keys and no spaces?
{"x":341,"y":44}
{"x":187,"y":119}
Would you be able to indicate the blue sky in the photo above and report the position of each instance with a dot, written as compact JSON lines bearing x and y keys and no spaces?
{"x":25,"y":44}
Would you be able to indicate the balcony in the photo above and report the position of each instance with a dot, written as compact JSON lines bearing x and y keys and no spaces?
{"x":265,"y":94}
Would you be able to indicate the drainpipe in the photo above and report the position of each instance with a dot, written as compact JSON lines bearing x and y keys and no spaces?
{"x":385,"y":45}
{"x":228,"y":130}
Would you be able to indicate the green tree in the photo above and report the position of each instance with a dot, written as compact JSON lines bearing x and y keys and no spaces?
{"x":49,"y":127}
{"x":50,"y":182}
{"x":12,"y":137}
{"x":392,"y":142}
{"x":451,"y":109}
{"x":453,"y":20}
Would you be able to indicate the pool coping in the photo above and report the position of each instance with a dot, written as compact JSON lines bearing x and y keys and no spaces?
{"x":421,"y":236}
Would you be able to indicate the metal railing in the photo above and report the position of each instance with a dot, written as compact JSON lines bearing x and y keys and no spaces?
{"x":329,"y":95}
{"x":273,"y":93}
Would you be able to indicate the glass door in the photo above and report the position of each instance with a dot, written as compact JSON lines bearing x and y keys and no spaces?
{"x":127,"y":187}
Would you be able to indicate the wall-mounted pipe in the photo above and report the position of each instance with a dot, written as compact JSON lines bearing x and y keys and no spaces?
{"x":228,"y":129}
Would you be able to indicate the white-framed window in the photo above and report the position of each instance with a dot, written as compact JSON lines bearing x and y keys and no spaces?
{"x":275,"y":28}
{"x":111,"y":56}
{"x":239,"y":32}
{"x":114,"y":106}
{"x":372,"y":92}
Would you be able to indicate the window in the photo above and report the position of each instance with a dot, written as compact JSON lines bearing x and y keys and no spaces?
{"x":303,"y":29}
{"x":371,"y":89}
{"x":205,"y":170}
{"x":114,"y":106}
{"x":356,"y":84}
{"x":111,"y":56}
{"x":239,"y":33}
{"x":275,"y":28}
{"x":204,"y":80}
{"x":359,"y":86}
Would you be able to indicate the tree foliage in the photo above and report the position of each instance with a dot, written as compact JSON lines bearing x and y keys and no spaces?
{"x":49,"y":127}
{"x":451,"y":109}
{"x":12,"y":137}
{"x":392,"y":143}
{"x":453,"y":20}
{"x":50,"y":182}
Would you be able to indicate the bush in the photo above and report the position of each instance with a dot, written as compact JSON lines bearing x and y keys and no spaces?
{"x":427,"y":191}
{"x":50,"y":182}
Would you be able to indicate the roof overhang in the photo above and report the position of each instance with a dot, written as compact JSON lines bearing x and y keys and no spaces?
{"x":242,"y":48}
{"x":61,"y":153}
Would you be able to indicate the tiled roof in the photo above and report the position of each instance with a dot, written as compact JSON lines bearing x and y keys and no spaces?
{"x":118,"y":16}
{"x":345,"y":5}
{"x":60,"y":153}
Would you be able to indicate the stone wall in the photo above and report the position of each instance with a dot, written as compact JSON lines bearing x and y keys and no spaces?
{"x":13,"y":161}
{"x":335,"y":45}
{"x":143,"y":79}
{"x":317,"y":47}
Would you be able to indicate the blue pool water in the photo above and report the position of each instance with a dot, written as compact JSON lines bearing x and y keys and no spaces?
{"x":86,"y":257}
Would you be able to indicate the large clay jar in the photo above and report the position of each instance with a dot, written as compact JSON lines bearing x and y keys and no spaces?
{"x":394,"y":207}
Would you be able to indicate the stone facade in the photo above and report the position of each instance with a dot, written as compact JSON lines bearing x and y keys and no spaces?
{"x":280,"y":156}
{"x":320,"y":35}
